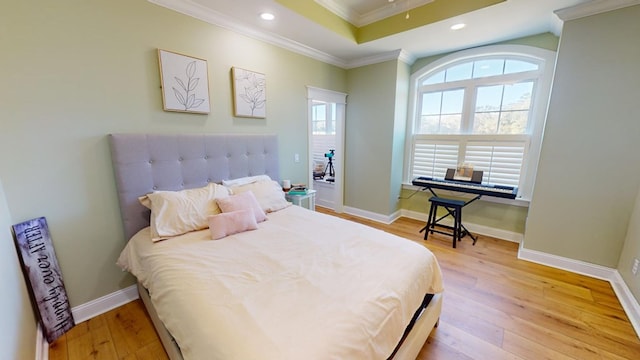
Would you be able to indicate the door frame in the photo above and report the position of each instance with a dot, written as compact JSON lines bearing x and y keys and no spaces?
{"x":340,"y":99}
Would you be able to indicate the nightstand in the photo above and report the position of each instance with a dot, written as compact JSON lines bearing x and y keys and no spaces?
{"x":297,"y":199}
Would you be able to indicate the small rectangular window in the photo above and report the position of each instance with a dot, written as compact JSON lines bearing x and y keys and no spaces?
{"x":441,"y":112}
{"x":503,"y":109}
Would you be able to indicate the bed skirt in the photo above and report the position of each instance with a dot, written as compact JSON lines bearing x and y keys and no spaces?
{"x":410,"y":345}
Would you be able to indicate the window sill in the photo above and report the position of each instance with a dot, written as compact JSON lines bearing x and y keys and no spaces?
{"x":513,"y":202}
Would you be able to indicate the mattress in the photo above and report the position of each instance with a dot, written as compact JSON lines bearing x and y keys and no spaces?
{"x":304,"y":285}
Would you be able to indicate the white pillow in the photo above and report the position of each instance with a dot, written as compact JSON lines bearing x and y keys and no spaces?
{"x":268,"y":193}
{"x":177,"y":212}
{"x":245,"y":180}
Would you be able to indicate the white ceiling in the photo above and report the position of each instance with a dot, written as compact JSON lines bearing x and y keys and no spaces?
{"x":504,"y":21}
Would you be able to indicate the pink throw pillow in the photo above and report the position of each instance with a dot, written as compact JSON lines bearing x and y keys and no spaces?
{"x":242,"y":201}
{"x":229,"y":223}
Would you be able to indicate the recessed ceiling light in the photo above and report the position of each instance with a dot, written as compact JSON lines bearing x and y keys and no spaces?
{"x":267,"y":16}
{"x":458,"y":26}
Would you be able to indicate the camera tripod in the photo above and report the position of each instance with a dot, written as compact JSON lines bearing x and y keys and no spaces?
{"x":329,"y":166}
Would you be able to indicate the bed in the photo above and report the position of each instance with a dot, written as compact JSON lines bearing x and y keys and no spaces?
{"x":299,"y":284}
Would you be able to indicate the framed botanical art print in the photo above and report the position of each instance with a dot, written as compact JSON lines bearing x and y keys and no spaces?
{"x":249,"y":93}
{"x":185,"y":83}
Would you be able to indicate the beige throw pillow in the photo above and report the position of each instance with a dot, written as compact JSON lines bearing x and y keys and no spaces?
{"x":178,"y":212}
{"x":268,"y":193}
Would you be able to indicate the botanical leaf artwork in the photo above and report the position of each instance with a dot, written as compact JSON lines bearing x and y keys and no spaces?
{"x":185,"y":86}
{"x":250,"y":93}
{"x":188,"y":99}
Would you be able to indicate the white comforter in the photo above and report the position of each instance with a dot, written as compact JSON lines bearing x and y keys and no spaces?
{"x":303,"y":286}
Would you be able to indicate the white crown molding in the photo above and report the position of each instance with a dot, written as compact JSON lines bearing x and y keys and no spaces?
{"x":592,"y":8}
{"x":382,"y":12}
{"x":197,"y":11}
{"x":407,"y":57}
{"x":378,"y":58}
{"x":342,"y":11}
{"x":205,"y":14}
{"x":397,"y":7}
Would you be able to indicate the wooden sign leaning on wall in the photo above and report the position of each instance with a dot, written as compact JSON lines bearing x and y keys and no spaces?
{"x":44,"y":280}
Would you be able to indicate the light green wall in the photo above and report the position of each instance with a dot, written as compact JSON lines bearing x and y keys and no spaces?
{"x":18,"y":325}
{"x":589,"y":169}
{"x":369,"y":136}
{"x":499,"y":216}
{"x":74,"y":71}
{"x":399,"y":134}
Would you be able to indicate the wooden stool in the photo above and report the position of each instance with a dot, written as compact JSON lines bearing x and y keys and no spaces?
{"x":454,"y":209}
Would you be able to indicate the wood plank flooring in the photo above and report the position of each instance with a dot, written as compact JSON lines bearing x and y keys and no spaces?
{"x":495,"y":307}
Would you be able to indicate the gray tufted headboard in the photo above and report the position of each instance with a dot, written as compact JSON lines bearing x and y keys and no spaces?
{"x":146,"y":162}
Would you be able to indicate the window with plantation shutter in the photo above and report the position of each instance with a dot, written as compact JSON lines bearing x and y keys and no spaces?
{"x":434,"y":158}
{"x":501,"y":162}
{"x":483,"y":107}
{"x":321,"y":145}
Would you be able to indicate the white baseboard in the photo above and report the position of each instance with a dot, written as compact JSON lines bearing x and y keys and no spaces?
{"x":103,"y":304}
{"x":474,"y":228}
{"x":625,"y":296}
{"x":385,"y":219}
{"x":629,"y":303}
{"x":42,"y":346}
{"x":325,"y":203}
{"x":87,"y":311}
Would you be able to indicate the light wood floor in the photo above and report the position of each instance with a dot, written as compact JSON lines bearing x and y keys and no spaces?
{"x":495,"y":307}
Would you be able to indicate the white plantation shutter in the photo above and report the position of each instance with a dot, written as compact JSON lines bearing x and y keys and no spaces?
{"x":501,"y":162}
{"x":321,"y":145}
{"x":433,"y":158}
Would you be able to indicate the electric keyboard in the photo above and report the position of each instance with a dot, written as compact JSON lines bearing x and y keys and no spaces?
{"x":507,"y":192}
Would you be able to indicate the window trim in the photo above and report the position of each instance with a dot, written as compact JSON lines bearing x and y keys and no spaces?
{"x":545,"y":58}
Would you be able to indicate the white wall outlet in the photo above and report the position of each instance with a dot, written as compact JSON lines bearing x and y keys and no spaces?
{"x":296,"y":158}
{"x":634,"y":269}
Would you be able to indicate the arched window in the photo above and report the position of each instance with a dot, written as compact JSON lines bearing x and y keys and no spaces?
{"x":485,"y":107}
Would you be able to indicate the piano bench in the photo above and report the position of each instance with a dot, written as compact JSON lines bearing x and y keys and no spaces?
{"x":454,"y":209}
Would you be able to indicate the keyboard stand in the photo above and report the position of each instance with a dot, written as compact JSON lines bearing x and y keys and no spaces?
{"x":465,"y":232}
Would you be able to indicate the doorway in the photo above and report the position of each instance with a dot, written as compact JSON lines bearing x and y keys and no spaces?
{"x":326,"y":146}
